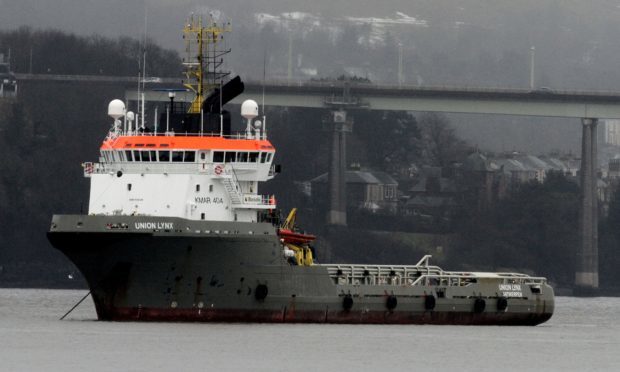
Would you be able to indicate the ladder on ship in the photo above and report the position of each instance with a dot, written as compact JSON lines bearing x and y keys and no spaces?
{"x":231,"y":184}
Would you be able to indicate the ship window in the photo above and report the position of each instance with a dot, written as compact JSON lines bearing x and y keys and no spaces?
{"x":164,"y":156}
{"x":153,"y":155}
{"x":263,"y":157}
{"x":128,"y":187}
{"x":128,"y":155}
{"x":230,"y":157}
{"x":253,"y":157}
{"x":190,"y":156}
{"x":203,"y":156}
{"x":269,"y":157}
{"x":210,"y":188}
{"x":136,"y":155}
{"x":242,"y":157}
{"x":218,"y":157}
{"x":146,"y":156}
{"x":202,"y":216}
{"x":197,"y":188}
{"x":177,"y":156}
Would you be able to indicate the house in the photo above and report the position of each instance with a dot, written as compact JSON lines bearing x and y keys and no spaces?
{"x":366,"y":190}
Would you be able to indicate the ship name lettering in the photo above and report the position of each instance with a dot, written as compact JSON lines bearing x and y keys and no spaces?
{"x":154,"y":225}
{"x":208,"y":200}
{"x":510,"y":287}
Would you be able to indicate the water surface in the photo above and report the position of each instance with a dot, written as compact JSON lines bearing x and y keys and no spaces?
{"x":584,"y":334}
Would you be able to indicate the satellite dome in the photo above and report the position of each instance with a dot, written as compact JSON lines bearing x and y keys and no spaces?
{"x":116,"y":109}
{"x":249,"y":109}
{"x":131,"y":116}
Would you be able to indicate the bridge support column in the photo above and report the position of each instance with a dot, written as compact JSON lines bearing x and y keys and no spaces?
{"x":586,"y":273}
{"x":338,"y":125}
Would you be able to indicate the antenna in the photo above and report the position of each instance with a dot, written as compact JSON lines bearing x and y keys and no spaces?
{"x":144,"y":63}
{"x":263,"y":103}
{"x":221,"y":113}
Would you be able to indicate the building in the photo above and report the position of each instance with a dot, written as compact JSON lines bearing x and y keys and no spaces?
{"x":366,"y":190}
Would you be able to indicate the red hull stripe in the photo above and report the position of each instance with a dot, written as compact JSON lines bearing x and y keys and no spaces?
{"x":329,"y":316}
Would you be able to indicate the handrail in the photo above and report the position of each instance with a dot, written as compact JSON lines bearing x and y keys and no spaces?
{"x":419,"y":274}
{"x":239,"y":135}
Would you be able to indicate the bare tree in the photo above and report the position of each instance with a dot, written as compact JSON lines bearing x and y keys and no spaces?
{"x":440,"y":145}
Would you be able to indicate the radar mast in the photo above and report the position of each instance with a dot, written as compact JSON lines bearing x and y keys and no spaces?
{"x":204,"y":47}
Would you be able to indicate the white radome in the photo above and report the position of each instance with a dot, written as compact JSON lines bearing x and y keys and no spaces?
{"x":249,"y":109}
{"x":116,"y":109}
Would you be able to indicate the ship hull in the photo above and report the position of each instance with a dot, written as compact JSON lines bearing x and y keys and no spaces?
{"x":164,"y":269}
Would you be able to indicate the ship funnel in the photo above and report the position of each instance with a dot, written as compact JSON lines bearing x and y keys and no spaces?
{"x":116,"y":109}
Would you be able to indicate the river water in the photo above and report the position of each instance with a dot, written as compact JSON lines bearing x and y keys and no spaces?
{"x":583,"y":335}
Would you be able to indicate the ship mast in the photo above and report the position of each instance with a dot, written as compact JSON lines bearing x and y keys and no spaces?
{"x":204,"y":48}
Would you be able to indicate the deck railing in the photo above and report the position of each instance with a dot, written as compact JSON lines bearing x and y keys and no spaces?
{"x":420,"y":274}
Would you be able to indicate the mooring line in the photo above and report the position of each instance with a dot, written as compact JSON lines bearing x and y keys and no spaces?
{"x":74,"y":306}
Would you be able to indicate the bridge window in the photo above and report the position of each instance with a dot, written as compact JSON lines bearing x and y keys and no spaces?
{"x":153,"y":155}
{"x":146,"y":156}
{"x":128,"y":155}
{"x":242,"y":157}
{"x":164,"y":156}
{"x":269,"y":156}
{"x":177,"y":156}
{"x":218,"y":157}
{"x":263,"y":157}
{"x":230,"y":157}
{"x":136,"y":155}
{"x":190,"y":156}
{"x":253,"y":157}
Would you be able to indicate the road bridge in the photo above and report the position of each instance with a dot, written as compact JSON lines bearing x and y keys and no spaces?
{"x":340,"y":96}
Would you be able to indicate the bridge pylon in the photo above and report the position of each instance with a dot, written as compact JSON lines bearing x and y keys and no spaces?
{"x":586,"y":271}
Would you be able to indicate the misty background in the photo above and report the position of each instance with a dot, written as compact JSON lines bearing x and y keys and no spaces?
{"x":45,"y":136}
{"x":451,"y":42}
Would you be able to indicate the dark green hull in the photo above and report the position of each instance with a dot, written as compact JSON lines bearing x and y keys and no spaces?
{"x":236,"y":272}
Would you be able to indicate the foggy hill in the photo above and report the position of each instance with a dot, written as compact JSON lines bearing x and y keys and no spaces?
{"x":451,"y":42}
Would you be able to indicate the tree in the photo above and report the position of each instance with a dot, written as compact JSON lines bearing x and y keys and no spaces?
{"x":441,"y":146}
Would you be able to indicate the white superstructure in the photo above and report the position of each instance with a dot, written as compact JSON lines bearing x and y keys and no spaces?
{"x":192,"y":176}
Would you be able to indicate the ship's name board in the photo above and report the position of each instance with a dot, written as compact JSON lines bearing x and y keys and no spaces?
{"x":511,"y":290}
{"x":154,"y":225}
{"x":252,"y":199}
{"x":208,"y":200}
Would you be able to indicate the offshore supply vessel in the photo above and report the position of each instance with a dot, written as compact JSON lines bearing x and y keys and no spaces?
{"x":176,"y":230}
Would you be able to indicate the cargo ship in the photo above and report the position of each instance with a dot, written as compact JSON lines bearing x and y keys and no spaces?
{"x":177,"y":230}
